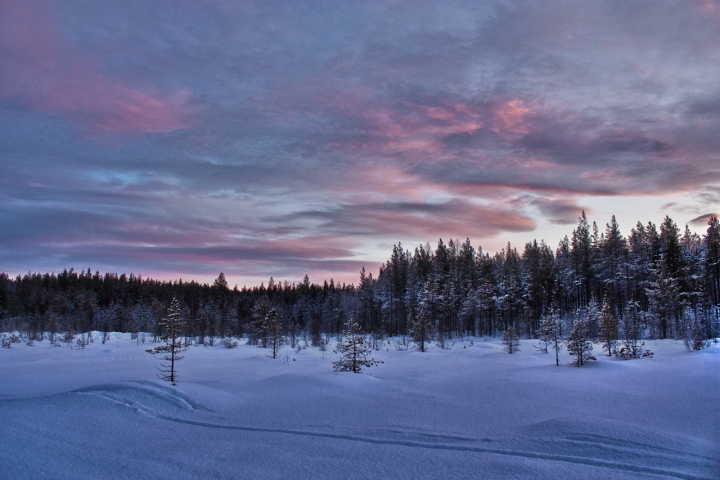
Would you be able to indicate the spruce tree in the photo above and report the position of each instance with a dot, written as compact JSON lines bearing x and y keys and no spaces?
{"x":422,"y":331}
{"x":549,"y":333}
{"x":608,"y":326}
{"x":711,"y":241}
{"x":578,"y":344}
{"x":172,"y":327}
{"x":353,"y":351}
{"x":510,"y":341}
{"x":632,"y":328}
{"x":272,"y":326}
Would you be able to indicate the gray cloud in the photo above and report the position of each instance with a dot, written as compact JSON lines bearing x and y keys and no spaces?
{"x":337,"y":123}
{"x":560,"y":211}
{"x":702,"y":220}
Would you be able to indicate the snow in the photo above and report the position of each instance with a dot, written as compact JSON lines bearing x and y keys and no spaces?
{"x":473,"y":411}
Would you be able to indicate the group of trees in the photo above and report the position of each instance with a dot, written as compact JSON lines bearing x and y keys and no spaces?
{"x":659,"y":282}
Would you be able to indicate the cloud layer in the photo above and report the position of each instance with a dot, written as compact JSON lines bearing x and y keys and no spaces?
{"x":288,"y":137}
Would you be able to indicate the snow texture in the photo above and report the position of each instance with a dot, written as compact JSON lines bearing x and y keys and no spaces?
{"x":469,"y":412}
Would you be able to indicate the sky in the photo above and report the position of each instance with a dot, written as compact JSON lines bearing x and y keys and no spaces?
{"x":178,"y":139}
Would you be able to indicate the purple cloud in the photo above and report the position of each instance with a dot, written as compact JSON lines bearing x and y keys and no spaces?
{"x":286,"y":138}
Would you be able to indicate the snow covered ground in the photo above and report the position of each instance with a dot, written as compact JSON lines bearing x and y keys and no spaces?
{"x":469,"y":412}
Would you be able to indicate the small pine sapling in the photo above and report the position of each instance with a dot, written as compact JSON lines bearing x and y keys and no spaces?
{"x":608,"y":326}
{"x":353,"y":351}
{"x":578,"y":344}
{"x":511,"y":341}
{"x":229,"y":341}
{"x":632,"y":327}
{"x":172,"y":327}
{"x":422,"y":331}
{"x":695,"y":335}
{"x":272,"y":326}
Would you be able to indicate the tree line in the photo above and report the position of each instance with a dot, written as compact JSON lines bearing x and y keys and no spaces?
{"x":667,"y":281}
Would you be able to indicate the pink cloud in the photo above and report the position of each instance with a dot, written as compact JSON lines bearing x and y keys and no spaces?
{"x":40,"y":71}
{"x":510,"y":117}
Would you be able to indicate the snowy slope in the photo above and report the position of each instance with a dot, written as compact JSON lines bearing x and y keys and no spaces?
{"x":469,"y":412}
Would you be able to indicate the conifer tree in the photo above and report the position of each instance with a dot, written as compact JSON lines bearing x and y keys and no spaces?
{"x":353,"y":351}
{"x":272,"y":326}
{"x":52,"y":327}
{"x":664,"y":298}
{"x":632,"y":329}
{"x":422,"y":331}
{"x":172,"y":327}
{"x":549,"y":333}
{"x":711,"y":241}
{"x":578,"y":344}
{"x":608,"y":326}
{"x":511,"y":341}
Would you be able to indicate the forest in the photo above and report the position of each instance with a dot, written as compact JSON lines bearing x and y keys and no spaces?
{"x":666,"y":281}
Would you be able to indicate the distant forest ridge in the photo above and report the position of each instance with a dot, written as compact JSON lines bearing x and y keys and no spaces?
{"x":668,"y":278}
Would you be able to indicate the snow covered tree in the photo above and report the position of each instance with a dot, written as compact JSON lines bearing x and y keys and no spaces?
{"x":353,"y":351}
{"x":578,"y":344}
{"x":422,"y":331}
{"x":632,"y":329}
{"x":510,"y":341}
{"x":591,"y":318}
{"x":52,"y":327}
{"x":711,"y":241}
{"x":608,"y":326}
{"x":694,"y":336}
{"x":664,"y":298}
{"x":272,"y":326}
{"x":549,"y":333}
{"x":172,"y":327}
{"x":259,"y":313}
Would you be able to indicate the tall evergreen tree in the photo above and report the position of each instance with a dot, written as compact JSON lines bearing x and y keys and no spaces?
{"x":711,"y":241}
{"x":578,"y":344}
{"x":608,"y":326}
{"x":273,"y":328}
{"x":172,"y":327}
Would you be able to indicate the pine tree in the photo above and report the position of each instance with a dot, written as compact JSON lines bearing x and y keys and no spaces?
{"x":272,"y":326}
{"x":711,"y":241}
{"x":52,"y":327}
{"x":550,"y":334}
{"x":422,"y":331}
{"x":608,"y":326}
{"x":172,"y":329}
{"x":632,"y":329}
{"x":353,"y":351}
{"x":664,"y":298}
{"x":578,"y":344}
{"x":511,"y":341}
{"x":695,"y":334}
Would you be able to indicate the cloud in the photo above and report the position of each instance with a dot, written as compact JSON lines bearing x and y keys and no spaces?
{"x":339,"y":127}
{"x":41,"y":71}
{"x":405,"y":219}
{"x":702,"y":220}
{"x":561,"y":211}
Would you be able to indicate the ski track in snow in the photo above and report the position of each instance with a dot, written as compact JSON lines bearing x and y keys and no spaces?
{"x":113,"y":393}
{"x":438,"y":446}
{"x":489,"y":414}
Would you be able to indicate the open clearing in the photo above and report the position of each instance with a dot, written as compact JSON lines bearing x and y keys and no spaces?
{"x":469,"y":412}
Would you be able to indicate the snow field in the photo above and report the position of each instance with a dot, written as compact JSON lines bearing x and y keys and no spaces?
{"x":469,"y":412}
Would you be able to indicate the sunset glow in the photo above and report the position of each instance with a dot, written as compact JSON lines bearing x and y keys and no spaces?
{"x":185,"y":139}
